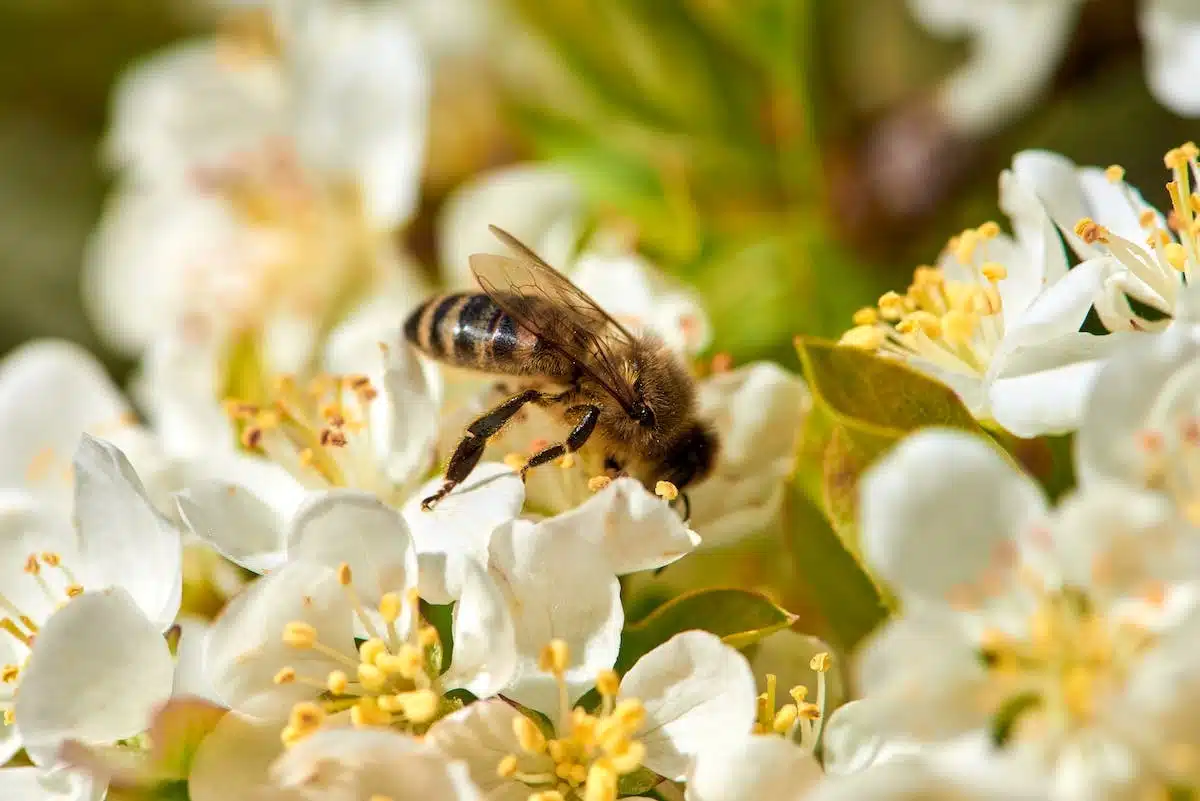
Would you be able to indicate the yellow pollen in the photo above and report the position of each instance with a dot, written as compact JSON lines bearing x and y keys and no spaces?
{"x":989,"y":230}
{"x":597,"y":483}
{"x":1090,"y":231}
{"x":371,"y":650}
{"x":419,"y":706}
{"x":371,"y":678}
{"x":1147,"y":218}
{"x":994,"y":271}
{"x":345,"y":576}
{"x":507,"y":767}
{"x":515,"y":461}
{"x":389,"y":607}
{"x":1176,"y":256}
{"x":568,"y":461}
{"x":299,"y":634}
{"x":666,"y":490}
{"x":1115,"y":173}
{"x":428,"y":636}
{"x":821,"y":663}
{"x":367,"y":713}
{"x":74,"y":590}
{"x":601,"y":783}
{"x":866,"y":316}
{"x":958,"y":326}
{"x":892,"y":306}
{"x":784,"y":718}
{"x":337,"y":681}
{"x":1175,"y":159}
{"x":285,"y":675}
{"x":608,"y":683}
{"x":547,"y":795}
{"x":407,"y":663}
{"x":799,"y":693}
{"x":964,"y":246}
{"x":863,"y":337}
{"x":51,"y":559}
{"x":809,"y":711}
{"x":9,"y":673}
{"x":10,"y":717}
{"x":529,"y":735}
{"x":554,"y":658}
{"x":32,"y":566}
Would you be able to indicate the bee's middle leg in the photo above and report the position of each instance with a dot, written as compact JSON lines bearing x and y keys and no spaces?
{"x":470,"y":448}
{"x":574,"y":441}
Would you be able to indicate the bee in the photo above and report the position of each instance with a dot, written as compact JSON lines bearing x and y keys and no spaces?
{"x":628,"y":394}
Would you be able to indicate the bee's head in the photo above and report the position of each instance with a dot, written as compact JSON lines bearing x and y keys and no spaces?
{"x":691,"y":455}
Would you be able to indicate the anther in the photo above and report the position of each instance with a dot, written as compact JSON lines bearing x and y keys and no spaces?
{"x":337,"y":681}
{"x":554,"y":658}
{"x":597,"y":483}
{"x":866,"y":316}
{"x":608,"y":683}
{"x":507,"y":767}
{"x":821,"y":663}
{"x":1090,"y":231}
{"x":389,"y":607}
{"x":419,"y":706}
{"x":285,"y":675}
{"x":1115,"y":173}
{"x":666,"y":490}
{"x":299,"y":634}
{"x":1176,"y":256}
{"x":529,"y":735}
{"x":863,"y":337}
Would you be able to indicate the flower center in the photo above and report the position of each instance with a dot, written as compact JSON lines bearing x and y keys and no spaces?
{"x":390,"y":681}
{"x":586,"y":760}
{"x":321,"y":434}
{"x":1054,"y":679}
{"x":20,"y":625}
{"x":799,"y":717}
{"x":951,"y":322}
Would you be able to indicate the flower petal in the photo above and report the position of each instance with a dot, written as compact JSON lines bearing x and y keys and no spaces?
{"x":1041,"y":257}
{"x":38,"y":784}
{"x":245,"y":648}
{"x":940,"y":514}
{"x":699,"y":696}
{"x":485,"y":644}
{"x":753,"y":767}
{"x":123,"y":540}
{"x":1045,"y":401}
{"x":635,"y":529}
{"x":851,"y":742}
{"x":233,"y":760}
{"x":1171,"y":33}
{"x":411,"y":404}
{"x":191,"y":679}
{"x":461,"y":526}
{"x":98,"y":671}
{"x":557,"y":588}
{"x":757,"y":411}
{"x":539,"y":204}
{"x":373,"y":763}
{"x":355,"y":528}
{"x":480,"y":736}
{"x":238,"y":521}
{"x":1060,"y":309}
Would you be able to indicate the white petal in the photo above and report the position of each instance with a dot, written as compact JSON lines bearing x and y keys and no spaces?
{"x":37,"y":784}
{"x":123,"y":540}
{"x":851,"y":742}
{"x":50,"y":393}
{"x":245,"y":648}
{"x":1044,"y":257}
{"x":934,"y":776}
{"x":97,"y":672}
{"x":232,"y":762}
{"x":363,"y":91}
{"x":757,"y":411}
{"x":177,"y":384}
{"x":539,"y":204}
{"x":191,"y":678}
{"x":480,"y":736}
{"x":1171,"y":33}
{"x":639,"y":296}
{"x":27,"y":528}
{"x":238,"y":522}
{"x":751,"y":768}
{"x":634,"y":528}
{"x":1061,"y":307}
{"x":557,"y":588}
{"x":940,"y":514}
{"x":1055,"y":180}
{"x":461,"y":525}
{"x":351,"y":527}
{"x":1049,"y":401}
{"x":485,"y":644}
{"x":410,"y":407}
{"x":699,"y":696}
{"x":1125,"y":392}
{"x":372,"y":763}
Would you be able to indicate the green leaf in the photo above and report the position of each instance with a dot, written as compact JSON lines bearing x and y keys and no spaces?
{"x":739,"y":617}
{"x":441,"y":617}
{"x":850,"y":601}
{"x":862,"y":405}
{"x":640,"y":782}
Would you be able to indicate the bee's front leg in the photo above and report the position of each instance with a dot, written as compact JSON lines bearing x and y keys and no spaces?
{"x":574,"y":441}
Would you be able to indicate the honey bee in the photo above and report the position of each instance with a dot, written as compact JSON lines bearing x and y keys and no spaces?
{"x":628,"y":393}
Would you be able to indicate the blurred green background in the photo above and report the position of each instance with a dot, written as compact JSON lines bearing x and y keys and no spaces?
{"x":732,"y":133}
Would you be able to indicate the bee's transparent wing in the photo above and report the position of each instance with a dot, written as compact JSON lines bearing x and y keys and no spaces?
{"x":544,"y":301}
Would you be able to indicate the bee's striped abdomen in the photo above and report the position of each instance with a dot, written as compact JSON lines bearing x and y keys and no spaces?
{"x":469,"y":330}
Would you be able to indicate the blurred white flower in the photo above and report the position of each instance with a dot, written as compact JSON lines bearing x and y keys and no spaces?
{"x":1038,"y":631}
{"x":84,"y":614}
{"x":692,"y":693}
{"x":1146,"y":256}
{"x":936,"y":775}
{"x":998,"y":320}
{"x":1016,"y":47}
{"x":1141,"y":426}
{"x":264,"y":173}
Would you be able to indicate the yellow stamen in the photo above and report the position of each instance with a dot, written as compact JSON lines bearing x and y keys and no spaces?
{"x":666,"y":490}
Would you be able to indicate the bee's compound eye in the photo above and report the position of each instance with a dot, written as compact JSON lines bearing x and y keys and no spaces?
{"x":644,"y":415}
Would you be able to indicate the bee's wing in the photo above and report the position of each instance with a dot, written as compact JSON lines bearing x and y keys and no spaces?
{"x":542,"y":300}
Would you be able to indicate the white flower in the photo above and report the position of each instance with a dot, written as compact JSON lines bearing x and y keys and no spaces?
{"x":1145,"y":255}
{"x":263,"y":174}
{"x":374,"y":436}
{"x":1141,"y":425}
{"x":1041,"y":631}
{"x":51,"y":392}
{"x":753,"y":768}
{"x":289,"y":638}
{"x":691,"y":693}
{"x":998,"y":320}
{"x":84,"y":614}
{"x":1016,"y":47}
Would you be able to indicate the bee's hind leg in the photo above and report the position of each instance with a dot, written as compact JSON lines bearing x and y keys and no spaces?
{"x":470,"y":447}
